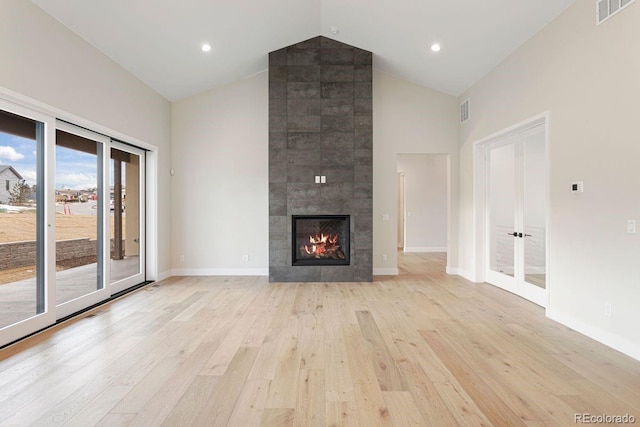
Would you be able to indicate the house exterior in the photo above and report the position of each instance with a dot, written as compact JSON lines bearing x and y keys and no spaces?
{"x":8,"y":178}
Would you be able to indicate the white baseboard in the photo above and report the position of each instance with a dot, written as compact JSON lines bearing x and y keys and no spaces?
{"x":385,"y":271}
{"x":221,"y":272}
{"x":462,"y":273}
{"x":164,"y":275}
{"x":424,"y":249}
{"x":623,"y":345}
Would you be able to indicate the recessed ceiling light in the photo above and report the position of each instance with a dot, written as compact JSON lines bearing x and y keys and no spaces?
{"x":335,"y":30}
{"x":206,"y":47}
{"x":435,"y":47}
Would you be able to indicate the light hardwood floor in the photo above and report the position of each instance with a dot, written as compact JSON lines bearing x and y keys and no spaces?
{"x":422,"y":348}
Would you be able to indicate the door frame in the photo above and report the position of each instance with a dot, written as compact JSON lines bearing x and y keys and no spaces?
{"x":481,"y":194}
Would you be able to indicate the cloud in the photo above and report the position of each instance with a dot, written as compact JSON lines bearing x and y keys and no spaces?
{"x":76,"y":181}
{"x":10,"y":153}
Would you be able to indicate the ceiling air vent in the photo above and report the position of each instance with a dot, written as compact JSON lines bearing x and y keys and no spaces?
{"x":464,"y":111}
{"x":605,"y":9}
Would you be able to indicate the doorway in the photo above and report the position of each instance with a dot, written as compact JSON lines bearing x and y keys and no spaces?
{"x":515,"y":207}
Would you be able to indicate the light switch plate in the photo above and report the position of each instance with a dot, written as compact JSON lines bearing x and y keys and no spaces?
{"x":323,"y":179}
{"x":317,"y":179}
{"x":631,"y":226}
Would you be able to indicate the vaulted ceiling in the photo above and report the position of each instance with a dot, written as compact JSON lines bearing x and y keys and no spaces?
{"x":159,"y":41}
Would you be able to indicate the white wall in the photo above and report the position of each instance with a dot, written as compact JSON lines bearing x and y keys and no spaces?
{"x":425,"y":201}
{"x":408,"y":118}
{"x":43,"y":61}
{"x":220,"y":157}
{"x":586,"y":76}
{"x":220,"y":203}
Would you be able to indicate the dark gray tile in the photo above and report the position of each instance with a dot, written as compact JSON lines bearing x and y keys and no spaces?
{"x":363,"y":156}
{"x":304,"y":206}
{"x":304,"y":157}
{"x":304,"y":123}
{"x":277,"y":173}
{"x":279,"y":240}
{"x":362,"y":57}
{"x":277,"y":140}
{"x":335,"y":206}
{"x":363,"y":256}
{"x":337,"y":107}
{"x":364,"y":124}
{"x":277,"y":90}
{"x":278,"y":73}
{"x":364,"y":240}
{"x":362,"y":90}
{"x":302,"y":173}
{"x":277,"y":123}
{"x":363,"y":223}
{"x":303,"y":140}
{"x":330,"y":140}
{"x":362,"y":206}
{"x":363,"y":173}
{"x":278,"y":273}
{"x":337,"y":123}
{"x":337,"y":90}
{"x":362,"y":190}
{"x":278,"y":57}
{"x":304,"y":107}
{"x":327,"y":43}
{"x":337,"y":73}
{"x":338,"y":174}
{"x":277,"y":106}
{"x":363,"y":274}
{"x":308,"y":44}
{"x":303,"y":56}
{"x":277,"y":225}
{"x":337,"y":190}
{"x":303,"y":90}
{"x":279,"y":256}
{"x":304,"y":274}
{"x":362,"y":73}
{"x":363,"y":106}
{"x":303,"y":190}
{"x":363,"y":140}
{"x":338,"y":157}
{"x":337,"y":273}
{"x":303,"y":73}
{"x":277,"y":198}
{"x":330,"y":56}
{"x":278,"y":157}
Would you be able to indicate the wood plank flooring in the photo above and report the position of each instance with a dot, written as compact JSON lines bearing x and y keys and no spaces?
{"x":419,"y":349}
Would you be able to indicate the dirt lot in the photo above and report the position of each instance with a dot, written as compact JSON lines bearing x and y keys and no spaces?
{"x":19,"y":227}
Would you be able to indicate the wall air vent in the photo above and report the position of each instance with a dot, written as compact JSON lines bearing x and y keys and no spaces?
{"x":464,"y":111}
{"x":605,"y":9}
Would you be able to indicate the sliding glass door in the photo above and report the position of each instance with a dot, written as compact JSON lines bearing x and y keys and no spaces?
{"x":72,"y":219}
{"x":126,"y":211}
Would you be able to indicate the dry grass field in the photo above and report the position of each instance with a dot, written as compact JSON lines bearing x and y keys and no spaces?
{"x":21,"y":227}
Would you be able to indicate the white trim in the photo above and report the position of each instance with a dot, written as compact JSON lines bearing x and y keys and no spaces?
{"x":385,"y":272}
{"x":464,"y":274}
{"x":220,"y":272}
{"x":425,"y":249}
{"x":164,"y":275}
{"x":615,"y":341}
{"x":611,"y":14}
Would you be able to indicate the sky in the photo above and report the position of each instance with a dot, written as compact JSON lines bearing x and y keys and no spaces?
{"x":75,"y":170}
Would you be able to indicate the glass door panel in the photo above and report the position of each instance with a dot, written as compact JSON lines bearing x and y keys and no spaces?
{"x":79,"y":216}
{"x":534,"y":208}
{"x":126,"y":206}
{"x":502,"y":205}
{"x":21,"y":219}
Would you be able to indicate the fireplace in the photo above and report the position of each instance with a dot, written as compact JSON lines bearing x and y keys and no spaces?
{"x":320,"y":239}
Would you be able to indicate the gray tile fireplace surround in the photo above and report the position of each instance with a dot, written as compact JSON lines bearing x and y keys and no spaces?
{"x":320,"y":124}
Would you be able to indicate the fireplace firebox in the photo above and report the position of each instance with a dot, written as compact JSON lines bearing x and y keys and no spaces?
{"x":320,"y":239}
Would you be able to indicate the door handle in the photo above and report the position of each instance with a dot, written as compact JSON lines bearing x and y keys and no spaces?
{"x":512,"y":234}
{"x":527,"y":235}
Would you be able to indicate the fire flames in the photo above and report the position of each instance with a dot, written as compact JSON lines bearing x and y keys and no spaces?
{"x":321,"y":246}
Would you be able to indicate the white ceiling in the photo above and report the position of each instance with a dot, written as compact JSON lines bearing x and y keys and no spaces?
{"x":159,"y":40}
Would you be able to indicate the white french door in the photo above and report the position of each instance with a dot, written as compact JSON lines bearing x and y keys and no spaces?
{"x":516,"y":214}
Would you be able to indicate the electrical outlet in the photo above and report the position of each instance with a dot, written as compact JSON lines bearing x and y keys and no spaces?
{"x":245,"y":257}
{"x":181,"y":258}
{"x":384,"y":257}
{"x":385,"y":217}
{"x":607,"y":309}
{"x":631,"y":226}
